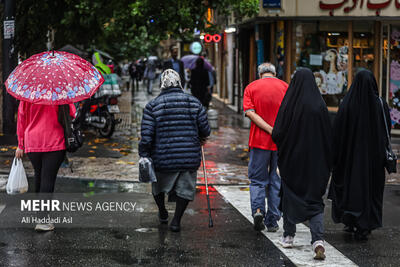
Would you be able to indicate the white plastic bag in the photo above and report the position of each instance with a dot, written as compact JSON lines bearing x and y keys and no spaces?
{"x":146,"y":171}
{"x":17,"y":182}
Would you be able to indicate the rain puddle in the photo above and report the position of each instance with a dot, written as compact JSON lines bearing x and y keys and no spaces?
{"x":146,"y":230}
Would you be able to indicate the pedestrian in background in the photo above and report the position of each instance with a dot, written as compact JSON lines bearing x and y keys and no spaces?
{"x":199,"y":83}
{"x":359,"y":143}
{"x":41,"y":137}
{"x":134,"y":74}
{"x":302,"y":133}
{"x":174,"y":127}
{"x":261,"y":102}
{"x":150,"y":73}
{"x":175,"y":64}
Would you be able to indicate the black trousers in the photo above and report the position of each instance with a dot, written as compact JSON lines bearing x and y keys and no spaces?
{"x":46,"y":165}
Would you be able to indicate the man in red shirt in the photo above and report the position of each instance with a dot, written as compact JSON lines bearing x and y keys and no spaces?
{"x":261,"y":102}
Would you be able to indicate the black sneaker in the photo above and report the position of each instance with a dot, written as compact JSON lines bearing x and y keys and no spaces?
{"x":273,"y":228}
{"x":349,"y":229}
{"x":175,"y":228}
{"x":258,"y":221}
{"x":163,"y":217}
{"x":361,"y":236}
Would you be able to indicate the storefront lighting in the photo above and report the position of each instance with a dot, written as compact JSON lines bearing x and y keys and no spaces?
{"x":230,"y":30}
{"x":333,"y":34}
{"x":208,"y":38}
{"x":201,"y":37}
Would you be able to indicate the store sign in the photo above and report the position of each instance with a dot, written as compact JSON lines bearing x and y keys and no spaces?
{"x":208,"y":38}
{"x":9,"y":29}
{"x":271,"y":3}
{"x":196,"y":48}
{"x":371,"y":5}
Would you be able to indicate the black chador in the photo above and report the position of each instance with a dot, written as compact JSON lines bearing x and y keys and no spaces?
{"x":359,"y":140}
{"x":302,"y":133}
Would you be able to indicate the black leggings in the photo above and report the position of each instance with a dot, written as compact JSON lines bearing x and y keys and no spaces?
{"x":46,"y":165}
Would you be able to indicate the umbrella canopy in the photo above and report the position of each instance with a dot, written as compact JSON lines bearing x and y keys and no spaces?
{"x":189,"y":62}
{"x":73,"y":50}
{"x":54,"y":78}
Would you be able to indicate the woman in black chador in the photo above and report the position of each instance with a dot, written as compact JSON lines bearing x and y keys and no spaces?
{"x":358,"y":176}
{"x":199,"y":83}
{"x":302,"y":133}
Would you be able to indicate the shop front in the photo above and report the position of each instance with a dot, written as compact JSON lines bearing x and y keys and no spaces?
{"x":335,"y":39}
{"x":391,"y":70}
{"x":335,"y":51}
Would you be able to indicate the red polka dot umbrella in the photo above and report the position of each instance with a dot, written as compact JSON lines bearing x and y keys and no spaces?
{"x":54,"y":78}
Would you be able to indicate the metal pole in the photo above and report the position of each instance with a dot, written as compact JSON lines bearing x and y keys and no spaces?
{"x":9,"y":62}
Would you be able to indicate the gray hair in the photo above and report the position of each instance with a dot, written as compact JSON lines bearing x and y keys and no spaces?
{"x":266,"y":68}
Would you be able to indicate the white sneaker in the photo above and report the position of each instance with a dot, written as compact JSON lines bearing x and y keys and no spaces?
{"x":44,"y":227}
{"x":319,"y":249}
{"x":287,"y":242}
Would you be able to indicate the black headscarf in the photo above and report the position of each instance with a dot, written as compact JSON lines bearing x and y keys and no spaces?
{"x":358,"y":176}
{"x":302,"y":133}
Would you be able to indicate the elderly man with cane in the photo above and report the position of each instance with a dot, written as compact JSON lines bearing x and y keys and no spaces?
{"x":261,"y":102}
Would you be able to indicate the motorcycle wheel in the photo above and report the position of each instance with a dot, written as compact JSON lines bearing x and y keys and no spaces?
{"x":109,"y":128}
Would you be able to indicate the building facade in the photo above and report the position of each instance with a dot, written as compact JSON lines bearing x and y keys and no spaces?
{"x":333,"y":38}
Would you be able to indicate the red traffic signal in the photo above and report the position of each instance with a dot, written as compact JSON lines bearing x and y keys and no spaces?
{"x":208,"y":38}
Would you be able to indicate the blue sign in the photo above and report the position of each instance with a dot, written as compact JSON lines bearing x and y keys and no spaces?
{"x":271,"y":3}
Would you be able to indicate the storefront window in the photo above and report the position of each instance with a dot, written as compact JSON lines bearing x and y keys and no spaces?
{"x":394,"y":75}
{"x":323,"y":48}
{"x":363,"y":46}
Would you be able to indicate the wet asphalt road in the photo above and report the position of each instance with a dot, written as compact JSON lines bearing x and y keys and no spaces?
{"x":142,"y":241}
{"x":231,"y":242}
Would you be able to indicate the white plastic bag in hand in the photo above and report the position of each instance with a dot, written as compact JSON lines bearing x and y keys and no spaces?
{"x":146,"y":171}
{"x":17,"y":182}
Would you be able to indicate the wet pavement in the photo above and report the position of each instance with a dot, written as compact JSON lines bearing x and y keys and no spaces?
{"x":382,"y":247}
{"x":231,"y":242}
{"x":116,"y":158}
{"x":142,"y":241}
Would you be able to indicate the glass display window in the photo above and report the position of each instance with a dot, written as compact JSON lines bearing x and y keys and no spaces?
{"x":363,"y":46}
{"x":323,"y":48}
{"x":394,"y":74}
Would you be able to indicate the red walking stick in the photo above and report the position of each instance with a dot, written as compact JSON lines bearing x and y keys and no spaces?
{"x":210,"y":221}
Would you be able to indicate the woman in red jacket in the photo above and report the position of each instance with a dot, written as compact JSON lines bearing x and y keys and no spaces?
{"x":41,"y":137}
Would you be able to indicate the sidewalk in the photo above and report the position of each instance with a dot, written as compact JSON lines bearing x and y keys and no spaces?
{"x":116,"y":158}
{"x":99,"y":158}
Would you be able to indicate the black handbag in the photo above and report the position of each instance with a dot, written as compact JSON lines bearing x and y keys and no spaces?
{"x":391,"y":158}
{"x":73,"y":137}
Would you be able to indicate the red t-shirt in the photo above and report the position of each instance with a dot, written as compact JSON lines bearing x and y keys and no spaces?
{"x":264,"y":96}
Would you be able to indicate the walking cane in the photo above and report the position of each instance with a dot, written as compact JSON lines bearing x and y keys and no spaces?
{"x":210,"y":222}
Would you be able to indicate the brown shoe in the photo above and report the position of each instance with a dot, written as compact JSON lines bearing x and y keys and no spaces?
{"x":319,"y":250}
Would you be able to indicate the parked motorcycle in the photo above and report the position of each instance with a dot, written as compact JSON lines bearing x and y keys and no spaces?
{"x":98,"y":111}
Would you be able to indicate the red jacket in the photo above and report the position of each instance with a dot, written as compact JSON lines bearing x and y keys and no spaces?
{"x":38,"y":128}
